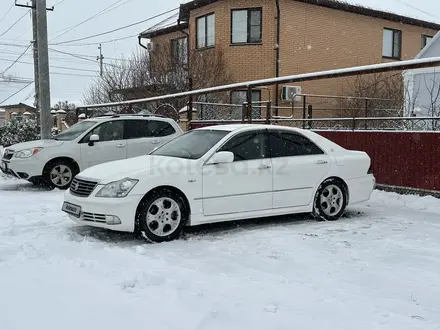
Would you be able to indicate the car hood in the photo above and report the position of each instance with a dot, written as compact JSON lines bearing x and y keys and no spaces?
{"x":133,"y":167}
{"x":35,"y":144}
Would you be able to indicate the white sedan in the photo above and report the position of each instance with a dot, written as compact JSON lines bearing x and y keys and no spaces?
{"x":221,"y":173}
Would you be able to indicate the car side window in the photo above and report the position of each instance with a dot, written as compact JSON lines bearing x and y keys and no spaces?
{"x":247,"y":146}
{"x":157,"y":128}
{"x":135,"y":129}
{"x":286,"y":144}
{"x":108,"y":131}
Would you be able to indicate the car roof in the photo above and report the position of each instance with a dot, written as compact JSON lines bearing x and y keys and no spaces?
{"x":141,"y":117}
{"x":245,"y":127}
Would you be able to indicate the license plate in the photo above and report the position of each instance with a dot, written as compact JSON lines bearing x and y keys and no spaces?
{"x":71,"y":209}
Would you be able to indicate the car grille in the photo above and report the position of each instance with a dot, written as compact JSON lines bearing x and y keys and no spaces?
{"x":8,"y":154}
{"x":94,"y":217}
{"x":82,"y":188}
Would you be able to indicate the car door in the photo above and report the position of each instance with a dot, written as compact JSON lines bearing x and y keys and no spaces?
{"x":244,"y":185}
{"x":143,"y":135}
{"x":299,"y":166}
{"x":110,"y":147}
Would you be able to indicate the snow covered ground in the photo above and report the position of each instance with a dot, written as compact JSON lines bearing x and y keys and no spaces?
{"x":378,"y":268}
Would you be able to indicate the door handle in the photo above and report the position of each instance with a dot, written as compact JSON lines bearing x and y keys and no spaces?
{"x":321,"y":162}
{"x":120,"y":145}
{"x":156,"y":141}
{"x":264,"y":167}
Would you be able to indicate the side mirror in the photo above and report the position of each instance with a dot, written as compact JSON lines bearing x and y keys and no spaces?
{"x":222,"y":157}
{"x":93,"y":138}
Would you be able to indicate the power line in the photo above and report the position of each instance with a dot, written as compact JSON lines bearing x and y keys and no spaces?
{"x":118,"y":29}
{"x":73,"y":55}
{"x":1,"y":35}
{"x":88,"y":59}
{"x":98,"y":43}
{"x":52,"y":66}
{"x":10,"y":8}
{"x":21,"y":89}
{"x":105,"y":10}
{"x":59,"y":3}
{"x":13,"y":63}
{"x":29,"y":96}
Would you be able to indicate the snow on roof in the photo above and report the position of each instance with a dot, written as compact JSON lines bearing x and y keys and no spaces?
{"x":426,"y":10}
{"x":167,"y":22}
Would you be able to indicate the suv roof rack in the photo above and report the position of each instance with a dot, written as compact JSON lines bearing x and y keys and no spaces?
{"x":133,"y":115}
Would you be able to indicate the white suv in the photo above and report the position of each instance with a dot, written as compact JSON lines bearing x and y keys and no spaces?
{"x":85,"y":144}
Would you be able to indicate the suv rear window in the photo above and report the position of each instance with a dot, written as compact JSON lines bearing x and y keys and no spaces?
{"x":137,"y":129}
{"x":158,"y":128}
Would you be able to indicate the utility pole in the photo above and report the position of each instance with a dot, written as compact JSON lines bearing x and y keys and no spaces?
{"x":35,"y":51}
{"x":100,"y":58}
{"x":43,"y":71}
{"x":41,"y":64}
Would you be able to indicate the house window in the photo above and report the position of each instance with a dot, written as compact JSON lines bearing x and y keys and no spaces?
{"x":239,"y":97}
{"x":246,"y":26}
{"x":392,"y":44}
{"x":426,"y":40}
{"x":205,"y":31}
{"x":179,"y":51}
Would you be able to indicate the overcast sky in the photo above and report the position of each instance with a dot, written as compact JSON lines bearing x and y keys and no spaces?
{"x":71,"y":75}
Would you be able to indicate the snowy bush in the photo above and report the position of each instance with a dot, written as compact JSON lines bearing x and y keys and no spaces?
{"x":17,"y":131}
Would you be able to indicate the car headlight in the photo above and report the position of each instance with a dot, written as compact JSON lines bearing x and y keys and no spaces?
{"x":26,"y":153}
{"x":117,"y":189}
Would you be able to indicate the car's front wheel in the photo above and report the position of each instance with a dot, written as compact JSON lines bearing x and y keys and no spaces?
{"x":330,"y":200}
{"x":161,"y":216}
{"x":59,"y":174}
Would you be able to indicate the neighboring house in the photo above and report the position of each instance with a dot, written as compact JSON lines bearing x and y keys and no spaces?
{"x":309,"y":36}
{"x":422,"y":86}
{"x":17,"y":111}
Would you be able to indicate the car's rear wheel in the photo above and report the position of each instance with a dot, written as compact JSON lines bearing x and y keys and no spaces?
{"x":161,"y":216}
{"x":59,"y":174}
{"x":330,"y":200}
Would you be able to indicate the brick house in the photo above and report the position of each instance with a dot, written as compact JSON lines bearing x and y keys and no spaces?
{"x":7,"y":112}
{"x":309,"y":36}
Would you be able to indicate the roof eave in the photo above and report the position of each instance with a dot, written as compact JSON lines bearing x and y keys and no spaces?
{"x":159,"y":32}
{"x":187,"y":7}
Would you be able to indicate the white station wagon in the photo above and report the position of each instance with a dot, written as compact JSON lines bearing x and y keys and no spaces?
{"x":221,"y":173}
{"x":91,"y":142}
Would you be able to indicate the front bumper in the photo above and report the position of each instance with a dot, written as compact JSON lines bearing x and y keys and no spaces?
{"x":101,"y":212}
{"x":22,"y":168}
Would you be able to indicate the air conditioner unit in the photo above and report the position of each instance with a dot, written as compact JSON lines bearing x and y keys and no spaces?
{"x":150,"y":46}
{"x":290,"y":93}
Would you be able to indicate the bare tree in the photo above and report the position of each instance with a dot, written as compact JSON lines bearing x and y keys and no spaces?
{"x":145,"y":75}
{"x":376,"y":95}
{"x":423,"y":99}
{"x":64,"y":105}
{"x":432,"y":86}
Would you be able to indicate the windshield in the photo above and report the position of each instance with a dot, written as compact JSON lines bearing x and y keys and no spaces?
{"x":191,"y":145}
{"x":74,"y":131}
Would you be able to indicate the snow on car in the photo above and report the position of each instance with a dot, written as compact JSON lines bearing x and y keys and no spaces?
{"x":376,"y":268}
{"x":90,"y":142}
{"x":221,"y":173}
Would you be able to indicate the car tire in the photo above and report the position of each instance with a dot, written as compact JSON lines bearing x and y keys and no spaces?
{"x":161,"y":216}
{"x":59,"y":174}
{"x":330,"y":200}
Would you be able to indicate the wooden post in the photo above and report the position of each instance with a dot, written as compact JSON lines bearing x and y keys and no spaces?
{"x":268,"y":111}
{"x":304,"y":111}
